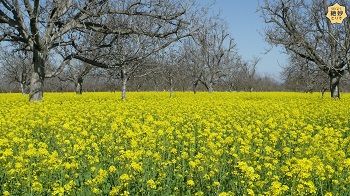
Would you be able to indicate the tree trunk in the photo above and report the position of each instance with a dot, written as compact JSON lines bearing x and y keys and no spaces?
{"x":156,"y":85}
{"x":171,"y":87}
{"x":124,"y":81}
{"x":23,"y":89}
{"x":323,"y":91}
{"x":195,"y":86}
{"x":138,"y":87}
{"x":230,"y":88}
{"x":79,"y":86}
{"x":334,"y":84}
{"x":210,"y":88}
{"x":38,"y":75}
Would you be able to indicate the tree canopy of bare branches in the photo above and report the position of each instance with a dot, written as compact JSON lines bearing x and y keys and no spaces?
{"x":48,"y":27}
{"x":16,"y":68}
{"x":211,"y":52}
{"x":302,"y":28}
{"x":302,"y":75}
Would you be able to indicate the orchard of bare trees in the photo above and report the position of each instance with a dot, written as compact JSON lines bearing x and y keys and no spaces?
{"x":116,"y":45}
{"x":170,"y":45}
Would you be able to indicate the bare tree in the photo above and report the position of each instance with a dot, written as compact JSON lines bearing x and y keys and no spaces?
{"x":44,"y":27}
{"x":75,"y":72}
{"x":303,"y":29}
{"x":268,"y":83}
{"x":140,"y":35}
{"x":131,"y":70}
{"x":247,"y":73}
{"x":241,"y":75}
{"x":16,"y":68}
{"x":170,"y":64}
{"x":133,"y":47}
{"x":211,"y":50}
{"x":40,"y":26}
{"x":303,"y":75}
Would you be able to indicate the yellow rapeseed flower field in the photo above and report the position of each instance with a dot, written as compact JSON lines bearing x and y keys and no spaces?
{"x":192,"y":144}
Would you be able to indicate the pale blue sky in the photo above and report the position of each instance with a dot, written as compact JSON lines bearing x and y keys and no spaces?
{"x":245,"y":26}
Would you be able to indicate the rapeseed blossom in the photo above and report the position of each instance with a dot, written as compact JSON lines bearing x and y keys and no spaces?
{"x":202,"y":144}
{"x":151,"y":184}
{"x":190,"y":182}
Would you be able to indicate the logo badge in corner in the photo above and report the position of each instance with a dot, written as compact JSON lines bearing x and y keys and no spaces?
{"x":336,"y":13}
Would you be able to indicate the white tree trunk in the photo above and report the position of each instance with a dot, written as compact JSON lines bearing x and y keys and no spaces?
{"x":210,"y":87}
{"x":23,"y":90}
{"x":124,"y":81}
{"x":171,"y":87}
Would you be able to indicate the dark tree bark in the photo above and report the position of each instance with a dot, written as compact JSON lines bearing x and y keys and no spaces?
{"x":323,"y":90}
{"x":334,"y":83}
{"x":79,"y":86}
{"x":38,"y":75}
{"x":195,"y":84}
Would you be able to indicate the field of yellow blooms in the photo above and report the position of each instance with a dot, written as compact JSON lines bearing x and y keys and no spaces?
{"x":192,"y":144}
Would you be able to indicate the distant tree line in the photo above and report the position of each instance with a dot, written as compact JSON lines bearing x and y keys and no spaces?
{"x":167,"y":73}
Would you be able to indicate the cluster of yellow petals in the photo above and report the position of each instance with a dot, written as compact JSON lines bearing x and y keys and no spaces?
{"x":192,"y":144}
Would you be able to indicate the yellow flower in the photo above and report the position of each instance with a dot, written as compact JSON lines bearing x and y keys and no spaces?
{"x":37,"y":186}
{"x":126,"y":193}
{"x":192,"y":164}
{"x":250,"y":192}
{"x":96,"y":191}
{"x":173,"y":150}
{"x":112,"y":169}
{"x":223,"y":194}
{"x":184,"y":155}
{"x":124,"y":177}
{"x":58,"y":191}
{"x":7,"y":152}
{"x":151,"y":184}
{"x":216,"y":183}
{"x":66,"y":126}
{"x":277,"y":188}
{"x":190,"y":182}
{"x":136,"y":166}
